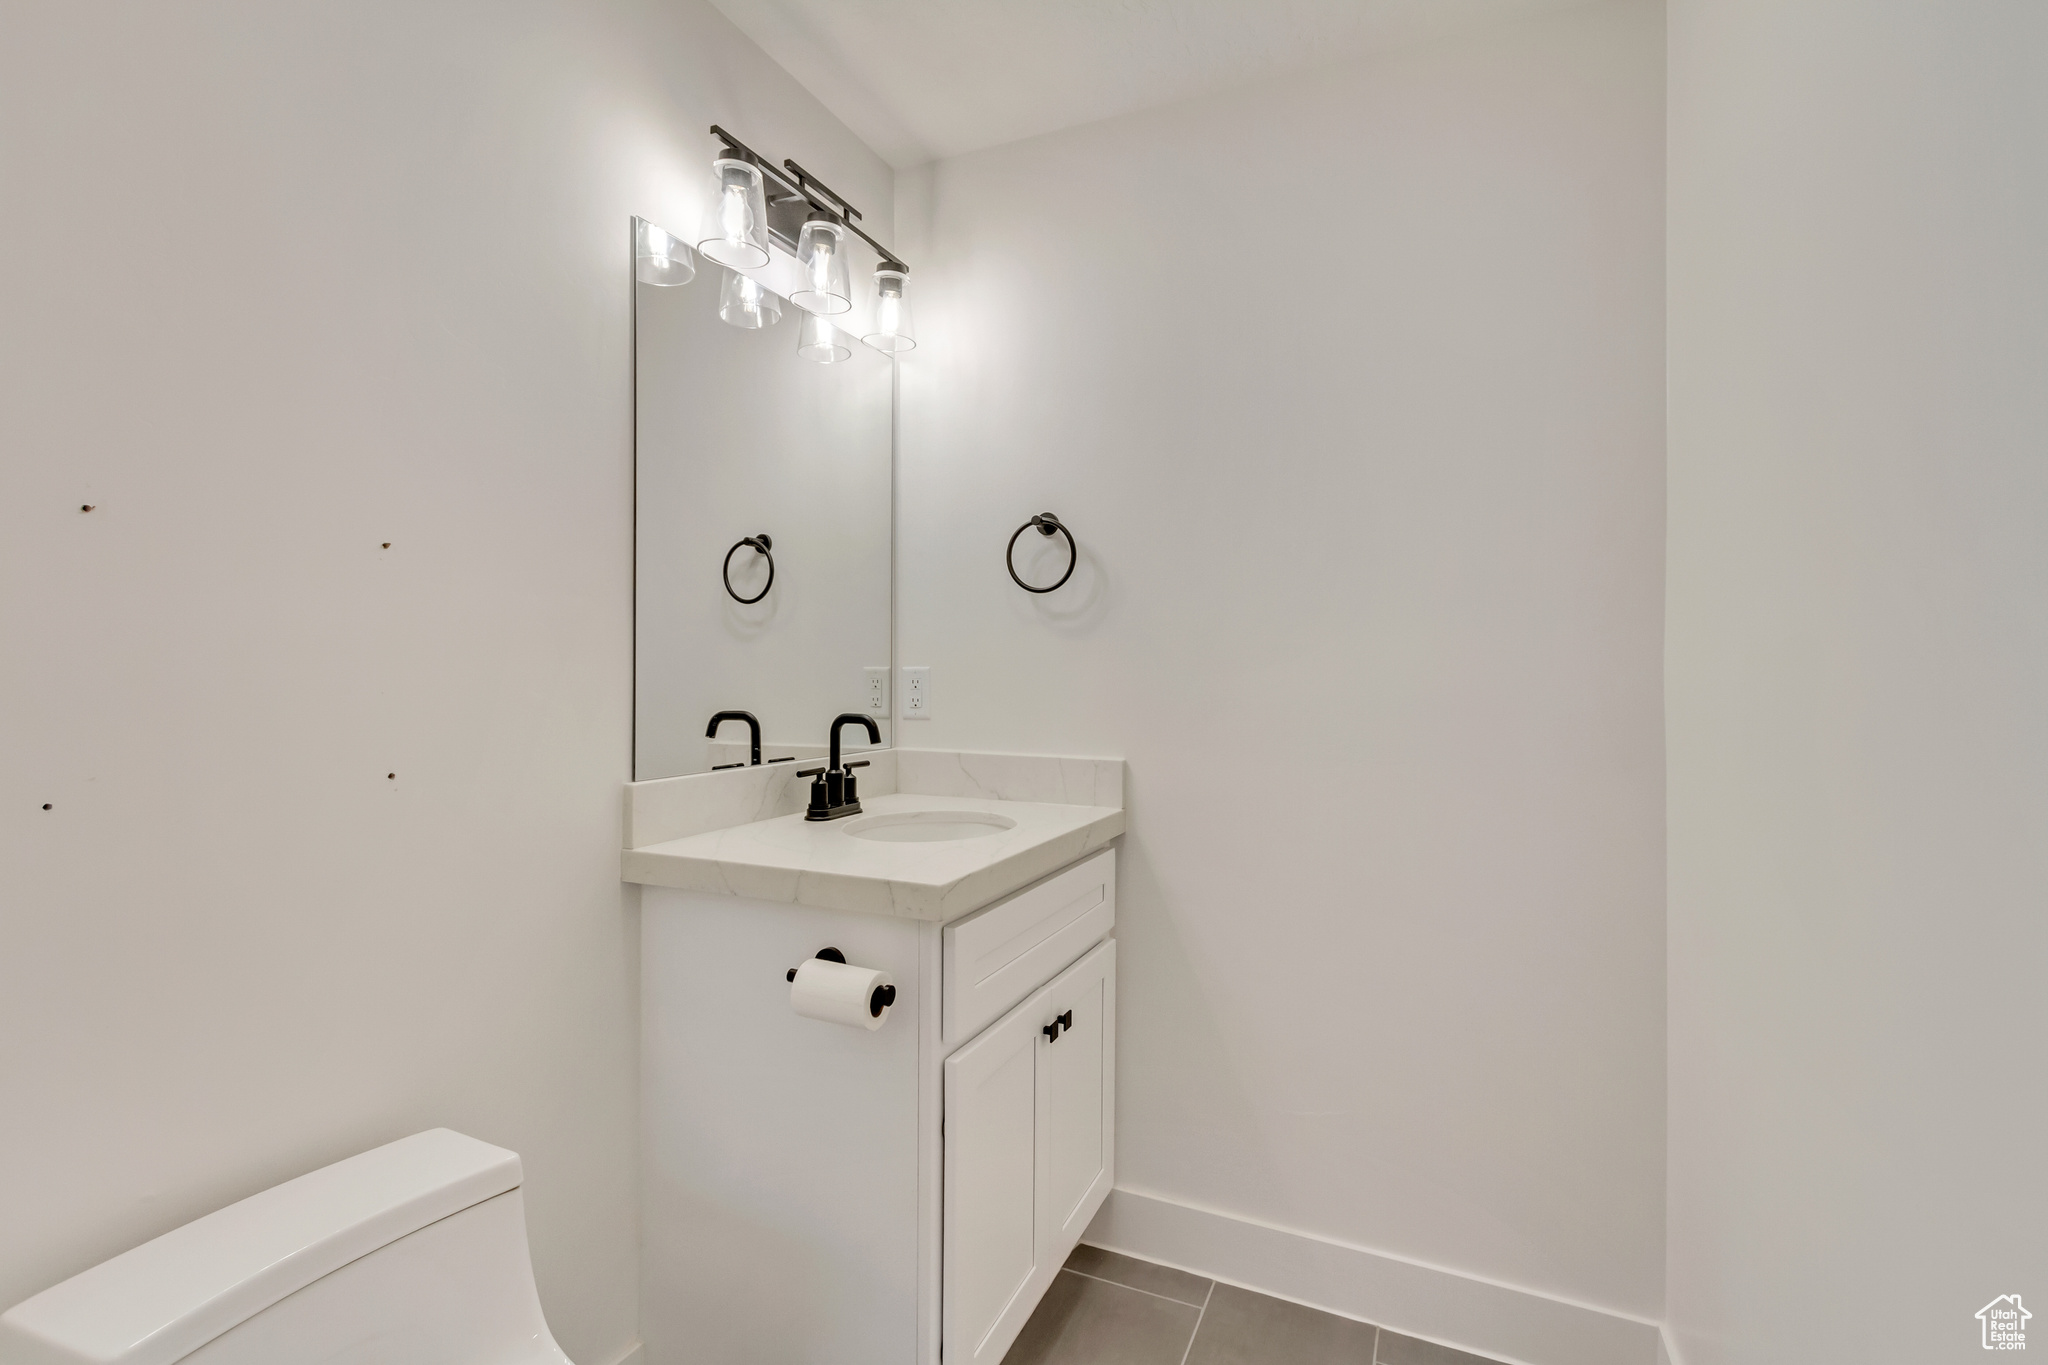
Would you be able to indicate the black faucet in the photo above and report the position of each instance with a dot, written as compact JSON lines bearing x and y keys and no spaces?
{"x":833,"y":794}
{"x":753,"y":732}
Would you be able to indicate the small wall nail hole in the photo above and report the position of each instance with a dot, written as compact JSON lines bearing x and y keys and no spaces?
{"x":86,"y":506}
{"x":392,"y":776}
{"x":387,"y":544}
{"x":46,"y":805}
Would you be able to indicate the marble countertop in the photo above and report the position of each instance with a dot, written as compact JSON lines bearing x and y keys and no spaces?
{"x":799,"y":862}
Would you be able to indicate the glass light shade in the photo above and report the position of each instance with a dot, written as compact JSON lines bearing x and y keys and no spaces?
{"x":821,"y":257}
{"x":821,"y":341}
{"x":744,"y":303}
{"x":736,"y":228}
{"x":892,"y":314}
{"x":659,"y":258}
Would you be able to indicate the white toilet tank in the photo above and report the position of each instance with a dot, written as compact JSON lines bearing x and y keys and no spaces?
{"x":411,"y":1254}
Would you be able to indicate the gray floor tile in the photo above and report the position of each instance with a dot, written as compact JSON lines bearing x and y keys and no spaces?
{"x":1243,"y":1328}
{"x":1396,"y":1349}
{"x":1092,"y":1322}
{"x":1136,"y":1274}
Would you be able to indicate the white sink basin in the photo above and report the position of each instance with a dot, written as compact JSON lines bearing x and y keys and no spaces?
{"x":928,"y":826}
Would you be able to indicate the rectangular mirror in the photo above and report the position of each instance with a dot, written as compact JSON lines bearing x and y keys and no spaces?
{"x":753,"y":460}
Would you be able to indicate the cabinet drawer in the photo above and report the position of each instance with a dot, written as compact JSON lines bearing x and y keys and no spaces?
{"x":997,"y":956}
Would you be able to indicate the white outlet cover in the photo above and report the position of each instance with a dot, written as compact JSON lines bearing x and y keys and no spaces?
{"x":917,"y":692}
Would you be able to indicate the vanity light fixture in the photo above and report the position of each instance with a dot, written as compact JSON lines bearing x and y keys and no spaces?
{"x":892,"y":314}
{"x":660,"y":257}
{"x":815,"y":224}
{"x":743,"y":302}
{"x":821,"y":341}
{"x":736,"y":228}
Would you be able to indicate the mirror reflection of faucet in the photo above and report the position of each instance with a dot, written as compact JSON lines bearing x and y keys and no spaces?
{"x":833,"y":794}
{"x":753,"y":736}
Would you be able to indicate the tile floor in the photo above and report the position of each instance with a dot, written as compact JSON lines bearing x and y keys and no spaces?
{"x":1107,"y":1309}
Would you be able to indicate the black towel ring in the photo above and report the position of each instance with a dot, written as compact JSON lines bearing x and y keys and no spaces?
{"x":762,"y":545}
{"x":1047,"y":524}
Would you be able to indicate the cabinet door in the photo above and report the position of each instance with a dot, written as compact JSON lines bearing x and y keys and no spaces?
{"x":1076,"y":1105}
{"x":1029,"y":1153}
{"x":992,"y":1273}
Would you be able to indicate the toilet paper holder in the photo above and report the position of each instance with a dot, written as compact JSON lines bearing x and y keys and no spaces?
{"x":882,"y":999}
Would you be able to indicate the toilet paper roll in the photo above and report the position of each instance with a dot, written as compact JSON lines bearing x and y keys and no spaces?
{"x":840,"y":993}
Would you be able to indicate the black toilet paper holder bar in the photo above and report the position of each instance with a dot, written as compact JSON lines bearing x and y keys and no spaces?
{"x":829,"y":954}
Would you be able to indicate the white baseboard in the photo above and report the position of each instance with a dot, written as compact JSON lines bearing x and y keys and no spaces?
{"x":1509,"y":1324}
{"x":632,"y":1355}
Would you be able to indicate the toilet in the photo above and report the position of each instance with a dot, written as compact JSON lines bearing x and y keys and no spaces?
{"x":413,"y":1253}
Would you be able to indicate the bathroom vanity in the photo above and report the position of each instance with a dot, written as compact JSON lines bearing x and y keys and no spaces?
{"x":826,"y":1193}
{"x":878,"y":1043}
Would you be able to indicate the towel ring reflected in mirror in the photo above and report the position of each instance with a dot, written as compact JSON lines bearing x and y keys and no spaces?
{"x":1047,"y":525}
{"x":761,"y":545}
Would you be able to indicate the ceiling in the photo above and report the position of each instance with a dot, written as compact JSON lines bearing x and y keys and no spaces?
{"x":922,"y":79}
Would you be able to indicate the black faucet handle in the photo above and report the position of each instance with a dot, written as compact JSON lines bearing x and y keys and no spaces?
{"x":821,"y":794}
{"x":857,"y":763}
{"x":809,"y":772}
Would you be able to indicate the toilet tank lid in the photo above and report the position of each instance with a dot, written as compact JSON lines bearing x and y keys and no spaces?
{"x":167,"y":1298}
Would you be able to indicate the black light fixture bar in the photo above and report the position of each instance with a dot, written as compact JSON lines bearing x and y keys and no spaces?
{"x":807,"y":189}
{"x":811,"y":182}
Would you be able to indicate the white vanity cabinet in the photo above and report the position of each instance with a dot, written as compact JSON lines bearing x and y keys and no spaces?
{"x":818,"y":1194}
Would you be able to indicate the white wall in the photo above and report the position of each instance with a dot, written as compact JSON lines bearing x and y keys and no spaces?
{"x":284,"y":283}
{"x":1352,"y":388}
{"x":1858,"y":666}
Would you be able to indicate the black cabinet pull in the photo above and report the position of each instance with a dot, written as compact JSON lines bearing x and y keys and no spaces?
{"x":1052,"y":1030}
